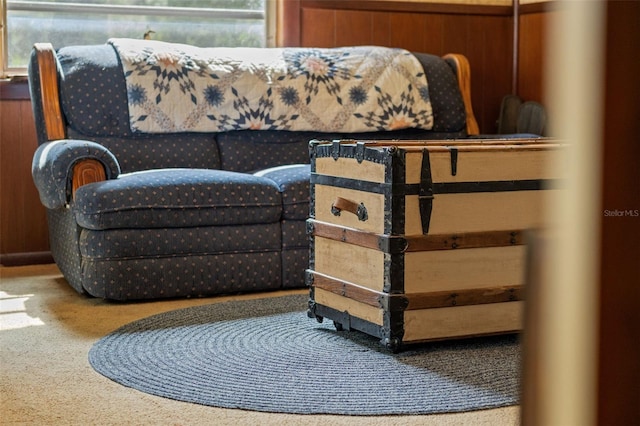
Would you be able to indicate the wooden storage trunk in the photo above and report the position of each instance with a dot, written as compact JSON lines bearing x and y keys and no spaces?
{"x":417,"y":241}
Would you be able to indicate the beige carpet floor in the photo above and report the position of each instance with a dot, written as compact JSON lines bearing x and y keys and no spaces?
{"x":47,"y":329}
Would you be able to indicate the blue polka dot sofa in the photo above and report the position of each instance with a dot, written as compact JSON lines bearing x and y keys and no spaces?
{"x":183,"y":214}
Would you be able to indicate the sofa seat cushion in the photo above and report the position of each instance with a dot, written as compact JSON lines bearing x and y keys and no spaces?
{"x":177,"y":198}
{"x":293,"y":183}
{"x":121,"y":244}
{"x":127,"y":264}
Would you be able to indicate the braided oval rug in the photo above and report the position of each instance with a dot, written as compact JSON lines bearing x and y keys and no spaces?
{"x":267,"y":355}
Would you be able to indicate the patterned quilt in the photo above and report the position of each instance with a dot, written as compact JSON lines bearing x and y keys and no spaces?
{"x":180,"y":88}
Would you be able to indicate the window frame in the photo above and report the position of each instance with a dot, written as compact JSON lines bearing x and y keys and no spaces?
{"x":7,"y":73}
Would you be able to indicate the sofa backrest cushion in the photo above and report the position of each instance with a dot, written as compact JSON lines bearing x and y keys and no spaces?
{"x":94,"y":95}
{"x":446,"y":100}
{"x":93,"y":92}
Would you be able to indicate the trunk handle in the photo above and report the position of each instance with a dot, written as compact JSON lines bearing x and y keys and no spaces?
{"x":341,"y":204}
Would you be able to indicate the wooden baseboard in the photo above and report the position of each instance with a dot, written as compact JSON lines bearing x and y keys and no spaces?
{"x":30,"y":258}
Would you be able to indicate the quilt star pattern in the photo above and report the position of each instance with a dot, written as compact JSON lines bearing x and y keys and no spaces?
{"x":180,"y":88}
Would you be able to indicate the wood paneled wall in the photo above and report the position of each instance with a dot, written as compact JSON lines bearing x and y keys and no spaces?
{"x":534,"y":21}
{"x":484,"y":34}
{"x":24,"y":236}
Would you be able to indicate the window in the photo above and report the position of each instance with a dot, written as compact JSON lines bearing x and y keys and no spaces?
{"x":71,"y":22}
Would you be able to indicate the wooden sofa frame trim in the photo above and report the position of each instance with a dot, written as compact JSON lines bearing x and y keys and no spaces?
{"x":47,"y":67}
{"x":463,"y":74}
{"x":88,"y":171}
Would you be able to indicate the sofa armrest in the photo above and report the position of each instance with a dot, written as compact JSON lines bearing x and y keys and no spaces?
{"x":463,"y":73}
{"x":60,"y":167}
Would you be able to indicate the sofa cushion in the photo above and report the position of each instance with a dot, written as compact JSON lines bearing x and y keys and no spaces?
{"x":173,"y":198}
{"x":293,"y":183}
{"x":102,"y":110}
{"x":295,"y":252}
{"x":113,"y":244}
{"x":179,"y":262}
{"x":448,"y":107}
{"x":93,"y":92}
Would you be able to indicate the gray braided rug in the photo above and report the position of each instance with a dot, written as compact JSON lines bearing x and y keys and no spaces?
{"x":267,"y":355}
